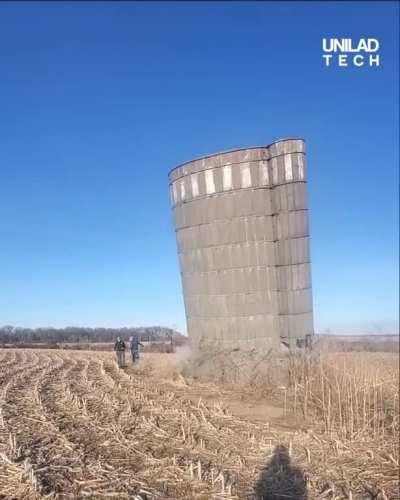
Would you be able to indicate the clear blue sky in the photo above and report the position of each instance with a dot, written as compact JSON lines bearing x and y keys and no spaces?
{"x":99,"y":100}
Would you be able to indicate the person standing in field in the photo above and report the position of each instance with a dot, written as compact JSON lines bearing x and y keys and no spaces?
{"x":119,"y":348}
{"x":134,"y":344}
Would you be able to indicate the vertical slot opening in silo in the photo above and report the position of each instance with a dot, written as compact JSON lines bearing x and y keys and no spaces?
{"x":195,"y":185}
{"x":274,"y":164}
{"x":264,"y":176}
{"x":210,"y":186}
{"x":245,"y":175}
{"x":301,"y":166}
{"x":288,"y":167}
{"x":227,"y":177}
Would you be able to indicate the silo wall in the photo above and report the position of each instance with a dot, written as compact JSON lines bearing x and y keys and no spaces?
{"x":242,"y":233}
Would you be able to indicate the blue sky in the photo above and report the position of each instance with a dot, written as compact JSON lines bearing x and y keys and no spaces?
{"x":98,"y":101}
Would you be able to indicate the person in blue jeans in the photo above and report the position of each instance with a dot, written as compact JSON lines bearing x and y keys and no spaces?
{"x":134,"y":344}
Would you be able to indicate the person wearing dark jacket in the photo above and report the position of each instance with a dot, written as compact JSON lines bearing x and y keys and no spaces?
{"x":134,"y":344}
{"x":119,"y":348}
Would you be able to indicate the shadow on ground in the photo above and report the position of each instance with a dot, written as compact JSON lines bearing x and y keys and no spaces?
{"x":280,"y":480}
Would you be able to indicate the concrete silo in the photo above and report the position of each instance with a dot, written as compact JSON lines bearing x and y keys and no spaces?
{"x":241,"y":224}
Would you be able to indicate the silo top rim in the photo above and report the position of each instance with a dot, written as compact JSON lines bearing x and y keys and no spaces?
{"x":233,"y":150}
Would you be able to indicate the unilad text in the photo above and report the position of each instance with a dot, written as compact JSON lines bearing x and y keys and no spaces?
{"x":345,"y":52}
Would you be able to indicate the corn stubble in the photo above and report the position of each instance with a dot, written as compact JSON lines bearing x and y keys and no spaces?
{"x":74,"y":426}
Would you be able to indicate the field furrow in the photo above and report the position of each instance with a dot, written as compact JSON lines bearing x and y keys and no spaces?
{"x":50,"y":462}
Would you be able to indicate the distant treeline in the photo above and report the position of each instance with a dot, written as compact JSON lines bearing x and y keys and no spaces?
{"x":72,"y":334}
{"x":360,"y":343}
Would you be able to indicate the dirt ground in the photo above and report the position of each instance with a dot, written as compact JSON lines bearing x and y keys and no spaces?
{"x":249,"y":407}
{"x":73,"y":425}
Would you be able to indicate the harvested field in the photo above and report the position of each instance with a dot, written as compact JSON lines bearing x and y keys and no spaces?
{"x":72,"y":425}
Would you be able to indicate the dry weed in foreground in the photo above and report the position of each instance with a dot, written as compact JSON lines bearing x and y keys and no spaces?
{"x":353,"y":395}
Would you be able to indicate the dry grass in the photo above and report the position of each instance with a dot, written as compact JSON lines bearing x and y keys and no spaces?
{"x":352,"y":394}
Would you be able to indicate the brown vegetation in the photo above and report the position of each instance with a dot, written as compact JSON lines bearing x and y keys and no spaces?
{"x":74,"y":426}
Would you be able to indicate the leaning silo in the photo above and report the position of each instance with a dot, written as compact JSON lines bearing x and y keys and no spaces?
{"x":241,"y":224}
